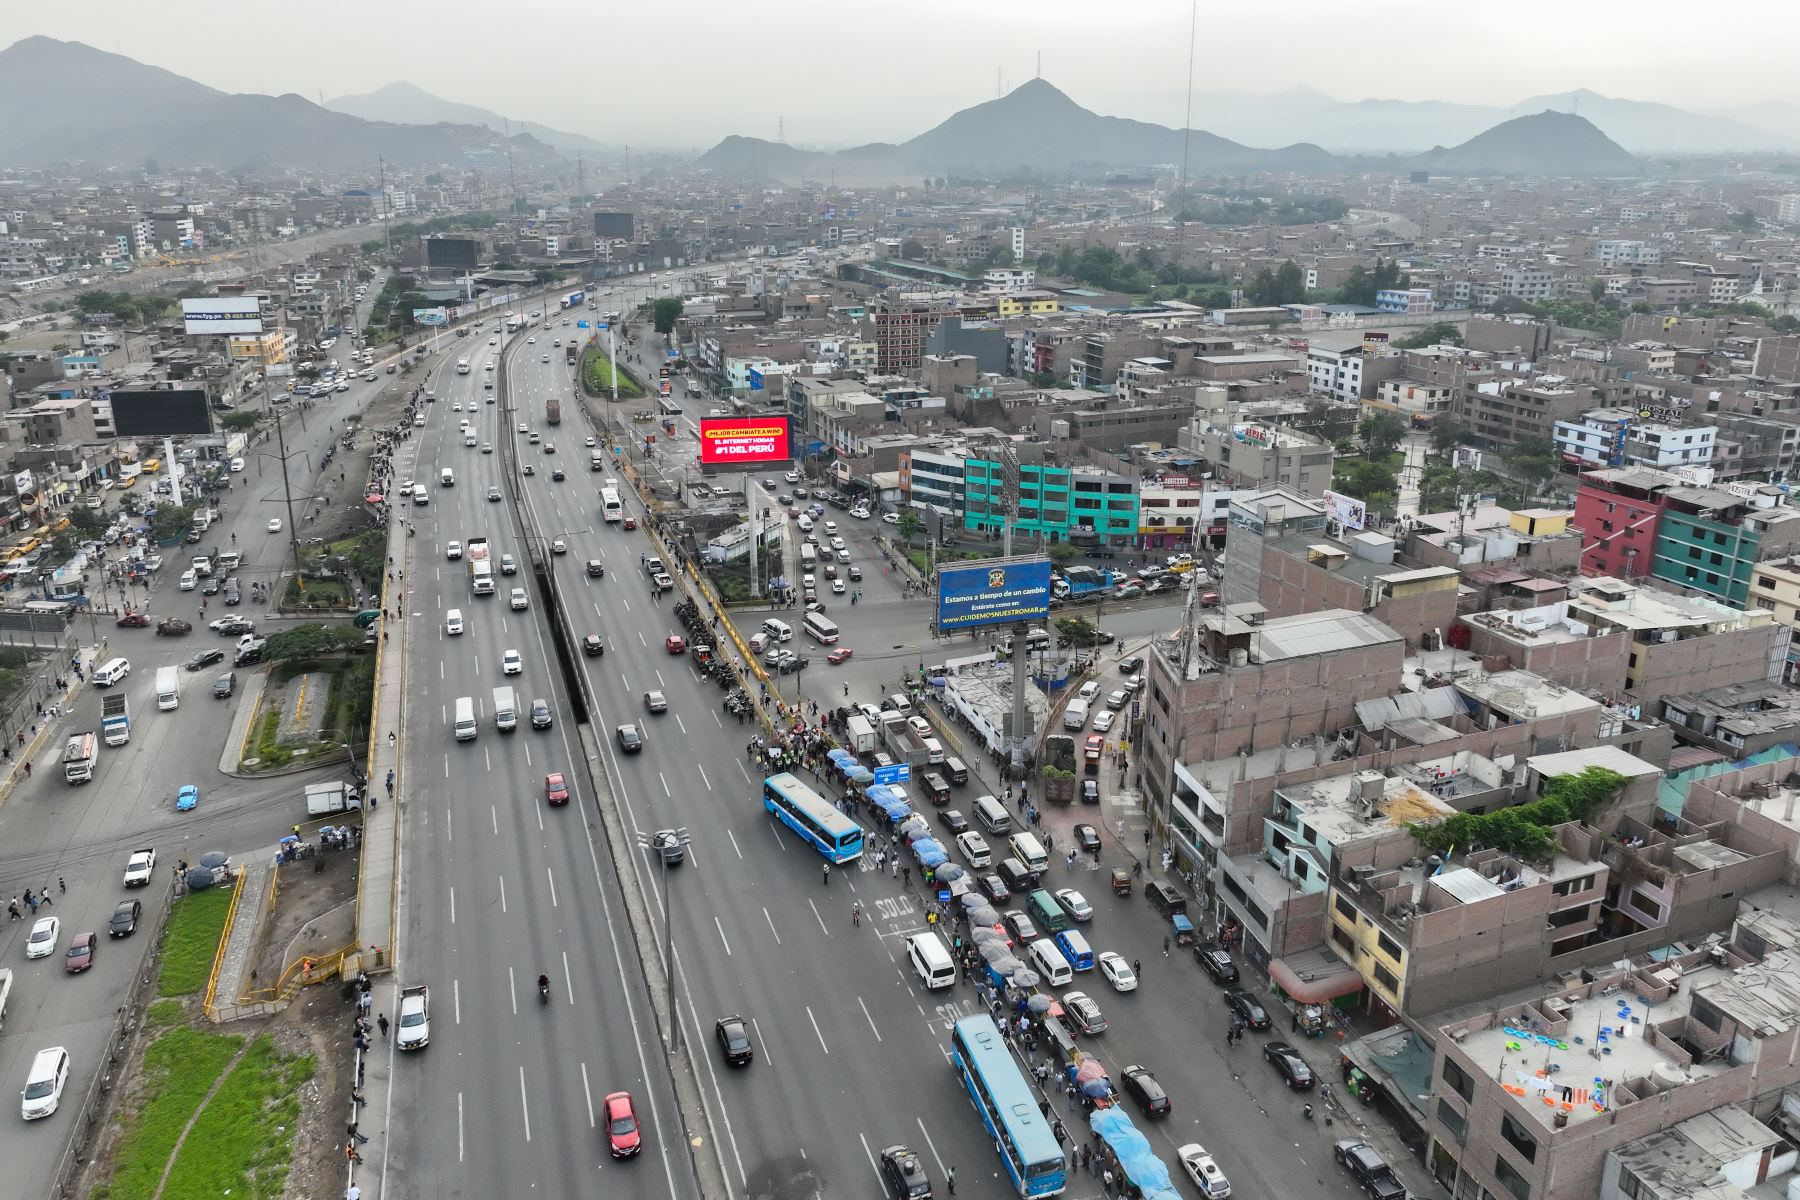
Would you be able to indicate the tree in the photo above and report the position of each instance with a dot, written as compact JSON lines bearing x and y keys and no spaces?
{"x":1439,"y":486}
{"x":1361,"y":286}
{"x":1076,"y":631}
{"x":87,"y":522}
{"x":1533,"y":460}
{"x":1043,"y":379}
{"x":912,"y":249}
{"x":1381,"y":433}
{"x":312,"y":640}
{"x":1446,"y":436}
{"x":172,"y":522}
{"x":239,"y":419}
{"x":665,"y":312}
{"x":1368,"y":481}
{"x":1061,"y":553}
{"x":910,"y":525}
{"x":1434,"y":334}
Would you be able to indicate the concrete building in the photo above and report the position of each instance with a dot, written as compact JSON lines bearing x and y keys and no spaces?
{"x":1710,"y":539}
{"x":1775,"y":588}
{"x":1617,"y":511}
{"x":1679,"y":643}
{"x":1735,"y":721}
{"x":1416,"y":402}
{"x":1253,"y":455}
{"x":1531,"y":539}
{"x":900,"y":324}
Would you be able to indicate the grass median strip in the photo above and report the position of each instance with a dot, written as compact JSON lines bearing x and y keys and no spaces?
{"x":180,"y":1067}
{"x":191,"y":941}
{"x":243,"y":1142}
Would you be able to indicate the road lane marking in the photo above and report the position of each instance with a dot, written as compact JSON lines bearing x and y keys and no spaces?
{"x":528,"y":754}
{"x":722,"y":937}
{"x":589,"y":1094}
{"x":816,"y":1031}
{"x":512,"y":989}
{"x":494,"y":814}
{"x":460,"y":1155}
{"x":771,"y":921}
{"x":734,"y":845}
{"x":879,"y":1181}
{"x":453,"y":905}
{"x":665,"y":785}
{"x":926,"y":1134}
{"x":568,"y":979}
{"x":680,"y":726}
{"x":524,"y":1104}
{"x":456,"y":1002}
{"x":818,"y":918}
{"x":661,"y":684}
{"x":775,"y":832}
{"x":503,"y":895}
{"x":868,"y":1018}
{"x":550,"y":875}
{"x":703,"y":778}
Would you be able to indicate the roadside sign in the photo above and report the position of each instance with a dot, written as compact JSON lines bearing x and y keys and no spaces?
{"x":581,"y":324}
{"x":1134,"y":710}
{"x":899,"y":773}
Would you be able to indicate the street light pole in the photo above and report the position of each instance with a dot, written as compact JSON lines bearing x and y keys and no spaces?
{"x":659,"y":842}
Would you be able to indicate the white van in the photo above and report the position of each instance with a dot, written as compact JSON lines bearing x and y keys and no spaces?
{"x":805,"y":523}
{"x":453,"y":622}
{"x":1028,"y":850}
{"x":931,"y":961}
{"x":781,"y":631}
{"x":993,"y":816}
{"x":759,"y":641}
{"x":1050,"y":963}
{"x":934,"y":751}
{"x":447,"y":477}
{"x":168,"y":688}
{"x":420,"y":495}
{"x":44,"y":1083}
{"x":1076,"y":715}
{"x":506,"y":710}
{"x":465,"y":719}
{"x":113,"y":671}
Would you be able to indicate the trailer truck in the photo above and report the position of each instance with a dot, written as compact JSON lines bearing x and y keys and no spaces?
{"x":481,"y":567}
{"x":115,"y":718}
{"x":553,"y":411}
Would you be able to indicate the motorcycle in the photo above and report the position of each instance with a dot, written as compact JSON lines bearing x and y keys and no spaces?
{"x":543,"y":991}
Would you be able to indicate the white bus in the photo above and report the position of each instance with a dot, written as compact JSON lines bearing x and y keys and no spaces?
{"x":822,"y":628}
{"x":610,"y":506}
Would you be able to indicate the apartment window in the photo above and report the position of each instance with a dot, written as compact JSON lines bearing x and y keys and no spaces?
{"x":1763,"y":581}
{"x":1388,"y":946}
{"x":1452,"y":1120}
{"x":1343,"y":940}
{"x":1693,"y":552}
{"x":1517,"y":1138}
{"x":1387,"y":979}
{"x":1458,"y":1079}
{"x":1646,"y":905}
{"x":1765,"y":603}
{"x":1510,"y":1179}
{"x":1345,"y":909}
{"x":1629,"y":1185}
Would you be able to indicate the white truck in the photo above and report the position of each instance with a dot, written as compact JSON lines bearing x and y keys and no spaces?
{"x":481,"y":567}
{"x":861,"y":734}
{"x":80,"y":753}
{"x":323,"y":799}
{"x":140,"y":867}
{"x":115,"y":718}
{"x":412,"y":1028}
{"x":168,"y":688}
{"x":6,"y":978}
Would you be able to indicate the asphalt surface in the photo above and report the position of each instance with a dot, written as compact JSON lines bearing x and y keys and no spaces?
{"x":850,"y":1049}
{"x":84,"y":833}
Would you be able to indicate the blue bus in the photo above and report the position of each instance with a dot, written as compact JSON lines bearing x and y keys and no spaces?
{"x":1028,"y":1150}
{"x":813,"y":817}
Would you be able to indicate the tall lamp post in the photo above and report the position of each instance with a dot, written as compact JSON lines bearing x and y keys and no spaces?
{"x":667,"y":844}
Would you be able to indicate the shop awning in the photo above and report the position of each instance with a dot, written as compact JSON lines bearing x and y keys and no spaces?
{"x":1314,"y":986}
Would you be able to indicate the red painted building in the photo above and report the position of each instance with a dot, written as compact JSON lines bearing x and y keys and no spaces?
{"x":1616,"y":510}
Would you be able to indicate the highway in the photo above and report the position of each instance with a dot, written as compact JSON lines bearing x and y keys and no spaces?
{"x":850,"y":1049}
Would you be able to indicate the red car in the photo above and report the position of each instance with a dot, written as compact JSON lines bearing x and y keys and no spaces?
{"x":676,"y":644}
{"x":81,"y":953}
{"x":840,"y":655}
{"x":556,"y":788}
{"x":133,"y":620}
{"x":622,"y":1133}
{"x":630,"y":522}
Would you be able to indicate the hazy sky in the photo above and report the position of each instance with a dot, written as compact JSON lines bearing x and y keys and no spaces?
{"x":686,"y":72}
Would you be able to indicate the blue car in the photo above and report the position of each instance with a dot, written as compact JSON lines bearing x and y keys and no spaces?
{"x":187,"y":797}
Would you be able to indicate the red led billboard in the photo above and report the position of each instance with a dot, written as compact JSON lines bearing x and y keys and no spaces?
{"x":733,"y":441}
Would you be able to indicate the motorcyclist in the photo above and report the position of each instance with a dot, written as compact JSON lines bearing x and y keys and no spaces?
{"x":544,"y":987}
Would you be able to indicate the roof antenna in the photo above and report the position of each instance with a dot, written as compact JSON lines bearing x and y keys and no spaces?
{"x":1040,"y":64}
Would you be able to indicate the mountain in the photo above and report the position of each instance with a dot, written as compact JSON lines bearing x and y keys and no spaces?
{"x":409,"y":104}
{"x":111,"y":109}
{"x":1035,"y":127}
{"x":1546,"y":143}
{"x":1406,"y":126}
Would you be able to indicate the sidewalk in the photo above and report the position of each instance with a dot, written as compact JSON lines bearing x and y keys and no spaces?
{"x":377,"y":889}
{"x":47,"y":730}
{"x":254,"y":875}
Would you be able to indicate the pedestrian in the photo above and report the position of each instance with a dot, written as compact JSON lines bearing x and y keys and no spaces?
{"x":950,"y":1179}
{"x":356,"y":1096}
{"x":390,"y":739}
{"x":31,"y":902}
{"x":825,"y":873}
{"x":1106,"y":1180}
{"x":351,"y":1154}
{"x":44,"y":896}
{"x":353,"y":1193}
{"x":60,"y":885}
{"x":356,"y":1134}
{"x":28,"y":768}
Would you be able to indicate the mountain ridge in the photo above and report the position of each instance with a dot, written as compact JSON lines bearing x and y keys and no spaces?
{"x":406,"y":103}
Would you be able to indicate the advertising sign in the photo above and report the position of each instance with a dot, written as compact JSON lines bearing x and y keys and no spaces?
{"x":22,"y":482}
{"x":756,"y":380}
{"x":430,"y":316}
{"x":730,"y":441}
{"x":1347,"y":511}
{"x":222,"y":314}
{"x":160,"y":413}
{"x":993,"y":592}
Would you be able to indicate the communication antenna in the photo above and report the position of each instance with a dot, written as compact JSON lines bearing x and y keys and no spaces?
{"x":1040,"y":65}
{"x":999,"y":82}
{"x":781,"y":130}
{"x":1187,"y":132}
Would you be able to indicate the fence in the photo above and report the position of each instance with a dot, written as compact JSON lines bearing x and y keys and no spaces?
{"x":89,"y":1122}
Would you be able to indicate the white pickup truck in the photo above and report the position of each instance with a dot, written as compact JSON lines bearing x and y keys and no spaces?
{"x":140,"y":867}
{"x":413,"y":1029}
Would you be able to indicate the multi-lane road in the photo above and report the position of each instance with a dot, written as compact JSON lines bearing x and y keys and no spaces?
{"x":500,"y":886}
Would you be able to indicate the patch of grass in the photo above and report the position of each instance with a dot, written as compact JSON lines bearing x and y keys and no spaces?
{"x":179,"y":1068}
{"x":242,"y":1144}
{"x":268,"y":741}
{"x":597,"y":372}
{"x":191,"y":940}
{"x":164,"y":1013}
{"x":314,"y":593}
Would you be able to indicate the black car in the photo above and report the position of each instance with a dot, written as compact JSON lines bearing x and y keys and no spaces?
{"x":994,"y":888}
{"x":1371,"y":1170}
{"x":1130,"y":666}
{"x":734,"y":1040}
{"x":211,"y":586}
{"x":557,"y":475}
{"x":1289,"y":1065}
{"x":224,"y":685}
{"x":1087,"y":839}
{"x":904,"y":1174}
{"x":1141,"y":1086}
{"x":1090,"y":791}
{"x":1246,"y":1006}
{"x":1020,"y":926}
{"x":954,"y":821}
{"x":204,"y":659}
{"x":1215,"y":960}
{"x":125,"y":918}
{"x":630,"y":740}
{"x":249,"y":656}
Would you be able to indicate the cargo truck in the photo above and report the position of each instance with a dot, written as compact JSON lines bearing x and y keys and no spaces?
{"x":168,"y":688}
{"x":323,"y":799}
{"x":553,"y":411}
{"x":481,"y":567}
{"x":115,"y":718}
{"x":861,"y":735}
{"x":80,"y":753}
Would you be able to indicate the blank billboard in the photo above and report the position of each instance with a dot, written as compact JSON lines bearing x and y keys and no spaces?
{"x":451,"y":254}
{"x":161,"y":413}
{"x":222,"y":314}
{"x":613,"y":225}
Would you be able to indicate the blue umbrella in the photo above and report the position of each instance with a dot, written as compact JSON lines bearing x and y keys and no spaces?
{"x":925,"y":845}
{"x":859,"y":775}
{"x":838,"y":754}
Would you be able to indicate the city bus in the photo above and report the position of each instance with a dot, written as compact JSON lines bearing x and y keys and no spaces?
{"x":821,"y":628}
{"x":1028,"y":1149}
{"x":813,"y":817}
{"x":668,"y":407}
{"x":610,"y":507}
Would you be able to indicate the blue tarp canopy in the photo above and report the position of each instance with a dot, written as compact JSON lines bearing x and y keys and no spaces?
{"x":929,"y":852}
{"x":1138,"y":1161}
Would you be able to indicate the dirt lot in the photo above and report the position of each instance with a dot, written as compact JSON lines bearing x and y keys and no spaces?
{"x":304,"y":894}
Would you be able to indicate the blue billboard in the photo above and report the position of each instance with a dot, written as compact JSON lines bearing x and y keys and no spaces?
{"x":994,"y":591}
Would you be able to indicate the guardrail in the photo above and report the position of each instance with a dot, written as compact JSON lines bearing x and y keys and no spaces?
{"x":89,"y":1120}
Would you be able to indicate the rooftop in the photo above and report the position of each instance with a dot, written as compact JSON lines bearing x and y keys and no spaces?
{"x":1522,"y":694}
{"x":1622,"y":605}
